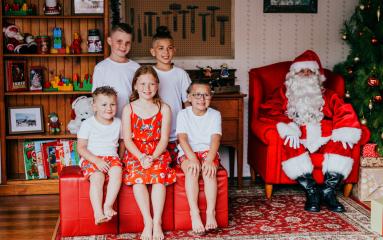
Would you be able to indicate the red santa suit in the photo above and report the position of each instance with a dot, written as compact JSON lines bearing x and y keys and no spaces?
{"x":338,"y":127}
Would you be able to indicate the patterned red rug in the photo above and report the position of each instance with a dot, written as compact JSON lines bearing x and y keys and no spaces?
{"x":254,"y":217}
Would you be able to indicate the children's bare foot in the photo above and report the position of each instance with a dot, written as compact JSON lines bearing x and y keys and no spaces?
{"x":197,"y":224}
{"x":211,"y":222}
{"x":100,"y":218}
{"x":109,"y":211}
{"x":157,"y":232}
{"x":147,"y":232}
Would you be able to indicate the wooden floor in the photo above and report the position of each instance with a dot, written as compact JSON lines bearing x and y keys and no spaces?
{"x":28,"y":217}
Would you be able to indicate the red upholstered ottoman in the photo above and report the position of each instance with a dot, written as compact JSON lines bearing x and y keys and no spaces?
{"x":181,"y":207}
{"x":130,"y":218}
{"x":76,"y":213}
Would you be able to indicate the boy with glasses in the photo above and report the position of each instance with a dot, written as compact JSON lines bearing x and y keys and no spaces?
{"x":199,"y":134}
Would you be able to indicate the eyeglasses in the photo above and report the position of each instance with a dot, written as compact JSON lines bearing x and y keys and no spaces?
{"x":200,"y":95}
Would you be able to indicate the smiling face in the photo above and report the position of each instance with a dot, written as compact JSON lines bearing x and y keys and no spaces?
{"x":200,"y":97}
{"x":163,"y":50}
{"x":120,"y":44}
{"x":105,"y":107}
{"x":146,"y":86}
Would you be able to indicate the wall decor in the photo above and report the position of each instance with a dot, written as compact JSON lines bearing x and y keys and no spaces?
{"x":201,"y":28}
{"x":80,"y":7}
{"x":36,"y":78}
{"x":25,"y":119}
{"x":290,"y":6}
{"x":16,"y":75}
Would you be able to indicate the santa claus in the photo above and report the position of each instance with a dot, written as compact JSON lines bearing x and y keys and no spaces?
{"x":311,"y":119}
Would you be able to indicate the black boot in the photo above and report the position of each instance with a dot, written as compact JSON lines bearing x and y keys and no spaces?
{"x":331,"y":181}
{"x":312,"y":193}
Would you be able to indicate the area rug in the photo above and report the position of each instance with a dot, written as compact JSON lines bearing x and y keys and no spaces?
{"x":252,"y":216}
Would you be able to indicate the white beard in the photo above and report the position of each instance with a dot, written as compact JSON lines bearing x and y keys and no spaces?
{"x":305,"y":100}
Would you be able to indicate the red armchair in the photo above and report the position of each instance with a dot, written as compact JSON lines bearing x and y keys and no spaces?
{"x":265,"y":147}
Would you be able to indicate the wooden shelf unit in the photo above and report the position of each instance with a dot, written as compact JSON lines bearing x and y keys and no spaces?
{"x":11,"y":146}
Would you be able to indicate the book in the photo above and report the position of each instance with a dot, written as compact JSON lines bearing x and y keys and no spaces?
{"x":30,"y":161}
{"x":66,"y":154}
{"x":39,"y":158}
{"x":49,"y":158}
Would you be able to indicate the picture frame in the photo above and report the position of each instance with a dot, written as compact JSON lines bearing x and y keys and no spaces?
{"x":36,"y":78}
{"x":16,"y":75}
{"x":290,"y":6}
{"x":25,"y":119}
{"x":87,"y":7}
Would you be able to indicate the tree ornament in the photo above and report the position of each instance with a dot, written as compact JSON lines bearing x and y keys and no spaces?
{"x":363,"y":121}
{"x":373,"y":81}
{"x":370,"y":105}
{"x":356,"y":59}
{"x":378,"y":13}
{"x":344,"y":36}
{"x":381,"y":135}
{"x":378,"y":99}
{"x":347,"y":94}
{"x":350,"y":70}
{"x":360,"y":33}
{"x":361,"y":7}
{"x":374,"y":40}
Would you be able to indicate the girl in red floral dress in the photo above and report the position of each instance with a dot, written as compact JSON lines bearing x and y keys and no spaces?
{"x":146,"y":129}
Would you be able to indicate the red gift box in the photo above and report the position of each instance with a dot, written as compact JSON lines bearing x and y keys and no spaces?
{"x":369,"y":150}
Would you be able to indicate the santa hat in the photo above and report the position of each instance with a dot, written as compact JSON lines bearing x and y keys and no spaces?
{"x":307,"y":60}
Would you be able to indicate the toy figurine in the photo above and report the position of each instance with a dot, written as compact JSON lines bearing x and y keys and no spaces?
{"x":57,"y":38}
{"x":53,"y":123}
{"x":51,"y":7}
{"x":207,"y":72}
{"x":224,"y":71}
{"x":76,"y":44}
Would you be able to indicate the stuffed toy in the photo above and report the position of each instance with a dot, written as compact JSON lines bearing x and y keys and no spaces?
{"x":53,"y":123}
{"x":15,"y":42}
{"x":82,"y":107}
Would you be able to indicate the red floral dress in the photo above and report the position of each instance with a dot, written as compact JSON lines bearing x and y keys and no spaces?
{"x":146,"y":134}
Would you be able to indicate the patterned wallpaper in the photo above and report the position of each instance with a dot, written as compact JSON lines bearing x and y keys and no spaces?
{"x":265,"y":38}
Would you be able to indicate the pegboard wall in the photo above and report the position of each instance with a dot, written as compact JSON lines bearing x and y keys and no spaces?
{"x":146,"y":15}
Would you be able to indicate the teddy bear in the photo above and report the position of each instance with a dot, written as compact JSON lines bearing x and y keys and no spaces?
{"x":16,"y":42}
{"x":82,"y":107}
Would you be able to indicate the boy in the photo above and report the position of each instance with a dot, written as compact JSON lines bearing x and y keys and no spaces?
{"x":199,"y":134}
{"x":97,"y":145}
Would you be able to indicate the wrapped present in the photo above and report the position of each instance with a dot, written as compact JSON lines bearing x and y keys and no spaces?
{"x":371,"y":162}
{"x":369,"y":150}
{"x":377,"y":215}
{"x":370,"y":184}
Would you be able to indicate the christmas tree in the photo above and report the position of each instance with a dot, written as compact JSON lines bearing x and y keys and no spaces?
{"x":363,"y":68}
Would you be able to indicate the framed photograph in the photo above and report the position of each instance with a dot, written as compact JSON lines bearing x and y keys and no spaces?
{"x":16,"y":75}
{"x":36,"y":78}
{"x":80,"y":7}
{"x":290,"y":6}
{"x":25,"y":119}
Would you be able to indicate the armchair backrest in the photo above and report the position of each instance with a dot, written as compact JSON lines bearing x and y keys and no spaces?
{"x":263,"y":81}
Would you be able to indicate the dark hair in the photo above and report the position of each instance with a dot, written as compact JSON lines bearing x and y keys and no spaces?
{"x":145,"y":69}
{"x":122,"y":27}
{"x":197,"y":82}
{"x":104,"y":90}
{"x":162,"y":32}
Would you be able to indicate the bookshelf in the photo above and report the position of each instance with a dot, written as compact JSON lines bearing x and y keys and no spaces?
{"x":12,"y":165}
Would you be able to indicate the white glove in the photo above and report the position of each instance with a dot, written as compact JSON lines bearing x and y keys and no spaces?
{"x":293,"y":141}
{"x":344,"y":143}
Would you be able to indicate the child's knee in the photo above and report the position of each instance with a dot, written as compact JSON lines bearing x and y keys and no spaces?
{"x":97,"y":177}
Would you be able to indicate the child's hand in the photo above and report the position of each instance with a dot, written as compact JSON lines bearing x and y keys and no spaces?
{"x":209,"y":169}
{"x":146,"y":161}
{"x":194,"y":167}
{"x":102,"y":165}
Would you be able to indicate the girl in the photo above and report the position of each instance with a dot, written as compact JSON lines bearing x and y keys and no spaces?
{"x":146,"y":127}
{"x":174,"y":81}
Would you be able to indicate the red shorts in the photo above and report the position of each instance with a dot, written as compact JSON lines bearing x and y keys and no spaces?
{"x":88,"y":168}
{"x":201,"y":156}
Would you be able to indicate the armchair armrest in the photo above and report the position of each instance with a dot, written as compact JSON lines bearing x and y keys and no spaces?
{"x":264,"y":131}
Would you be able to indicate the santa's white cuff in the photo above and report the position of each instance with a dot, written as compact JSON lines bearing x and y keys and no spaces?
{"x":337,"y":163}
{"x":346,"y":134}
{"x":298,"y":166}
{"x":290,"y":129}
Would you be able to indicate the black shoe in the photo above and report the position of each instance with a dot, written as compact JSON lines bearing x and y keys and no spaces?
{"x":312,"y":193}
{"x":331,"y":181}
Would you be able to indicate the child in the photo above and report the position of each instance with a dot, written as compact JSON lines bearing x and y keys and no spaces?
{"x":199,"y":134}
{"x":173,"y":80}
{"x":97,"y":145}
{"x":117,"y":70}
{"x":146,"y":127}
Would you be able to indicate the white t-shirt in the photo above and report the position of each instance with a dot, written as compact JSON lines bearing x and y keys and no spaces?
{"x":172,"y":90}
{"x":102,"y":139}
{"x":198,"y":128}
{"x":117,"y":75}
